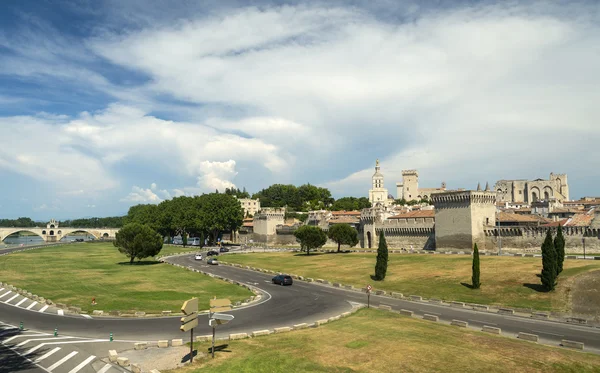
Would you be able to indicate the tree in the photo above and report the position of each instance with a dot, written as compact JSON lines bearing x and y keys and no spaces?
{"x":475,"y":276}
{"x":138,"y":241}
{"x":184,"y":239}
{"x":559,"y":246}
{"x":382,"y":258}
{"x":310,"y":237}
{"x":343,"y":234}
{"x":548,"y":263}
{"x":201,"y":239}
{"x":220,"y":212}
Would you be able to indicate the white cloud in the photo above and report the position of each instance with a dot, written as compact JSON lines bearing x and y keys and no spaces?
{"x":141,"y":195}
{"x":216,"y":175}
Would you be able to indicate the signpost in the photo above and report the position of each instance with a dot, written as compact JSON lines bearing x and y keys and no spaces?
{"x":214,"y":318}
{"x":369,"y":287}
{"x":190,"y":321}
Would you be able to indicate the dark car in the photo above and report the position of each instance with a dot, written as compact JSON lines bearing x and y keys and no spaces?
{"x":224,"y":250}
{"x":282,"y":280}
{"x":212,"y":252}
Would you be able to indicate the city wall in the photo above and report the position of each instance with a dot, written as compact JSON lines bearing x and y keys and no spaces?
{"x":526,"y":239}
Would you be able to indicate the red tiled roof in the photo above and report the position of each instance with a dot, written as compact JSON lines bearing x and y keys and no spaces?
{"x":248,"y":224}
{"x":519,"y":218}
{"x":580,"y":220}
{"x":344,"y":220}
{"x":415,"y":214}
{"x":351,"y":213}
{"x":562,"y":223}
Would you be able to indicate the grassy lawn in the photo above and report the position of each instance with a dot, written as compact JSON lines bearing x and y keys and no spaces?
{"x":379,"y":341}
{"x":506,"y":281}
{"x":73,"y":274}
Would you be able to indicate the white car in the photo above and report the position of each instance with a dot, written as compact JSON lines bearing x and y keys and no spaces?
{"x":198,"y":257}
{"x":213,"y":261}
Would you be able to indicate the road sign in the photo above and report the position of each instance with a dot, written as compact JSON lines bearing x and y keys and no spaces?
{"x":219,"y":319}
{"x":369,"y":287}
{"x":220,"y":305}
{"x":190,"y":310}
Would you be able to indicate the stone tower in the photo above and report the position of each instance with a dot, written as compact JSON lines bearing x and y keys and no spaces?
{"x":562,"y":184}
{"x":461,"y":217}
{"x":409,"y":189}
{"x":378,"y":194}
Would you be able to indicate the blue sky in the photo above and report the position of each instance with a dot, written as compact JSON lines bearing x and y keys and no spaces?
{"x":106,"y":104}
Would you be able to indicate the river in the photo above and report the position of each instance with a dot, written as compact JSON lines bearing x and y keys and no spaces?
{"x":16,"y":240}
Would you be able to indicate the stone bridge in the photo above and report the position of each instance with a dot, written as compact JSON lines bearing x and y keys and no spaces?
{"x":54,"y":233}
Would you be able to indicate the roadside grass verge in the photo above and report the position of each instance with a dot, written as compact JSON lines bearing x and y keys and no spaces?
{"x":74,"y":274}
{"x":508,"y":281}
{"x":379,"y":341}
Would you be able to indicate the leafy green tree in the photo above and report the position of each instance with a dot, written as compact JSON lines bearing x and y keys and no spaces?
{"x":220,"y":212}
{"x":400,"y":202}
{"x":310,"y":237}
{"x":475,"y":274}
{"x":138,"y":241}
{"x":548,"y":263}
{"x":184,"y":238}
{"x":382,"y":258}
{"x":343,"y":234}
{"x":201,"y":239}
{"x":559,"y":246}
{"x":350,"y":204}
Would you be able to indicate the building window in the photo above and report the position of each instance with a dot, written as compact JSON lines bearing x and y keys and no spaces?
{"x":487,"y":221}
{"x":520,"y":192}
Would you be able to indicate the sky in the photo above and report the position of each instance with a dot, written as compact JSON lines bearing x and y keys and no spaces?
{"x":108,"y":104}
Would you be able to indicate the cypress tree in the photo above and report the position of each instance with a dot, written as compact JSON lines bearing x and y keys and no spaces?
{"x":559,"y":246}
{"x":548,"y":263}
{"x":201,"y":239}
{"x":382,"y":258}
{"x":475,"y":276}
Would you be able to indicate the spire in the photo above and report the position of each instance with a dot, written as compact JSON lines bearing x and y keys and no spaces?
{"x":487,"y":186}
{"x":479,"y":187}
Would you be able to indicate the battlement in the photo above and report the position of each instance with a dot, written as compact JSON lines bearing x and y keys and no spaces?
{"x":270,"y":213}
{"x":462,"y":198}
{"x":410,"y":173}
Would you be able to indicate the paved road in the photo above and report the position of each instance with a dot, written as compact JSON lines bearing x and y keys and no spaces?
{"x":281,"y":306}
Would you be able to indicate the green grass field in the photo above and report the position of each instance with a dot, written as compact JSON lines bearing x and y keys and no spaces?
{"x":379,"y":341}
{"x":73,"y":274}
{"x":508,"y":281}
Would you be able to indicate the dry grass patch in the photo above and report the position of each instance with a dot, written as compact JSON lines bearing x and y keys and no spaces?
{"x":509,"y":281}
{"x":378,"y":341}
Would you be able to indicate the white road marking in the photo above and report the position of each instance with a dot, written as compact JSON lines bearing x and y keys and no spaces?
{"x":47,"y":354}
{"x":5,"y":294}
{"x":84,"y":363}
{"x":105,"y":368}
{"x":61,"y":361}
{"x":86,"y":316}
{"x":31,"y":305}
{"x":1,"y":289}
{"x":21,"y":302}
{"x":482,"y":322}
{"x":61,"y":313}
{"x":18,"y":336}
{"x":40,"y":339}
{"x":539,"y":331}
{"x":431,"y":313}
{"x":43,"y":308}
{"x":16,"y":295}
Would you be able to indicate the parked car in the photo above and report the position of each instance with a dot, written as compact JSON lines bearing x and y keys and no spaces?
{"x":213,"y":261}
{"x":224,"y":250}
{"x":282,"y":280}
{"x":198,"y":257}
{"x":212,"y":253}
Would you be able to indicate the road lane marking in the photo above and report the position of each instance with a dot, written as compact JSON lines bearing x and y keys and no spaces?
{"x":84,"y":363}
{"x":482,"y":322}
{"x":31,"y":305}
{"x":40,"y":339}
{"x":1,"y":289}
{"x":541,"y":332}
{"x":62,"y":361}
{"x":16,"y":295}
{"x":21,"y":302}
{"x":431,"y":313}
{"x":61,"y":312}
{"x":86,"y":316}
{"x":105,"y":368}
{"x":5,"y":294}
{"x":18,"y":336}
{"x":43,"y":308}
{"x":47,"y":354}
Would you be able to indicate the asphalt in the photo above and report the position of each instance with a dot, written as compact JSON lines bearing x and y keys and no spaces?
{"x":280,"y":306}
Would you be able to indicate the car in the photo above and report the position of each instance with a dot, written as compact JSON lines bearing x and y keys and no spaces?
{"x":198,"y":257}
{"x":282,"y":280}
{"x":212,"y":253}
{"x":213,"y":261}
{"x":224,"y":250}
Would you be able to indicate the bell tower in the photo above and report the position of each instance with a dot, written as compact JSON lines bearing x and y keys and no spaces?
{"x":378,"y":194}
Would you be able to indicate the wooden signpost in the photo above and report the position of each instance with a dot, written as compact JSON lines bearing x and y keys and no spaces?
{"x":369,"y":287}
{"x":190,"y":321}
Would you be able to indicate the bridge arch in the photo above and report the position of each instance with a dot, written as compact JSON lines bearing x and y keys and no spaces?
{"x":17,"y":230}
{"x":83,"y":230}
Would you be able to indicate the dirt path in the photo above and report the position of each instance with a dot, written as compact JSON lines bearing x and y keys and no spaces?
{"x":586,"y":295}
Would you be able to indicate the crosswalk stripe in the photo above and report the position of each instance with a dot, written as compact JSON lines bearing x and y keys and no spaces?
{"x":16,"y":295}
{"x":5,"y":294}
{"x":1,"y":289}
{"x":105,"y":368}
{"x":18,"y":336}
{"x":61,"y":361}
{"x":31,"y":305}
{"x":61,"y":313}
{"x":21,"y":302}
{"x":41,"y":339}
{"x":84,"y":363}
{"x":47,"y":354}
{"x":34,"y":349}
{"x":43,"y":308}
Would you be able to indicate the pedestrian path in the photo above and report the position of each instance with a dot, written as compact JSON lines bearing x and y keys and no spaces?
{"x":56,"y":354}
{"x":12,"y":298}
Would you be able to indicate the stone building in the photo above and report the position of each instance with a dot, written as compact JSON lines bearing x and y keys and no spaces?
{"x":250,"y":206}
{"x":378,"y":195}
{"x":409,"y":189}
{"x":265,"y":222}
{"x":528,"y":191}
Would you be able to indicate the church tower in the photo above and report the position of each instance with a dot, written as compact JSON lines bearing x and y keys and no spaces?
{"x":378,"y":194}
